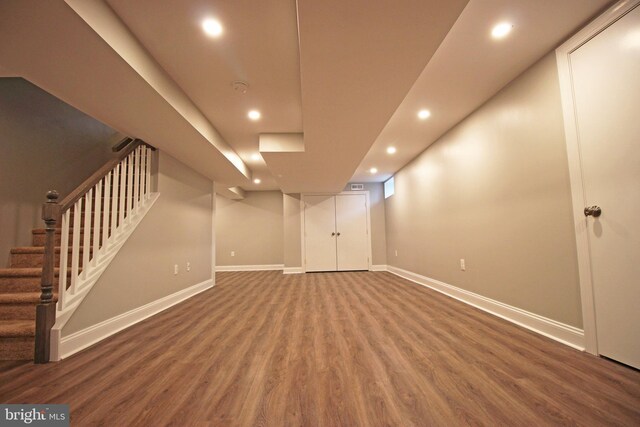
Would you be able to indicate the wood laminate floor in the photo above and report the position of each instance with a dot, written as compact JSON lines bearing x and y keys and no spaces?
{"x":330,"y":349}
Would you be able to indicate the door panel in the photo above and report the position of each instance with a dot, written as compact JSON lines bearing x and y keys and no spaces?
{"x":606,"y":88}
{"x":319,"y":223}
{"x":353,"y":238}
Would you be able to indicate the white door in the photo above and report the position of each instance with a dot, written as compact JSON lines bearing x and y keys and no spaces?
{"x":606,"y":85}
{"x":351,"y":232}
{"x":320,"y":232}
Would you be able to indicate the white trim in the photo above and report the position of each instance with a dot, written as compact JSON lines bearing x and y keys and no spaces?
{"x":575,"y":167}
{"x":379,"y":267}
{"x":292,"y":270}
{"x":213,"y":232}
{"x":302,"y":224}
{"x":566,"y":334}
{"x":80,"y":340}
{"x":261,"y":267}
{"x":303,"y":252}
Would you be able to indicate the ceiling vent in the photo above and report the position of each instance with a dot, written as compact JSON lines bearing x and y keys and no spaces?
{"x":357,"y":187}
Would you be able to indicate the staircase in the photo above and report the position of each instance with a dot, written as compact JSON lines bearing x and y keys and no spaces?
{"x":84,"y":232}
{"x":19,"y":295}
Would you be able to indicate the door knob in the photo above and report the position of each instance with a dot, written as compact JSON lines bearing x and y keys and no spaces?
{"x":593,"y":211}
{"x":338,"y":234}
{"x":333,"y":234}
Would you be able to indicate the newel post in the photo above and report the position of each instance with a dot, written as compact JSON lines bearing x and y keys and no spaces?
{"x":46,"y":309}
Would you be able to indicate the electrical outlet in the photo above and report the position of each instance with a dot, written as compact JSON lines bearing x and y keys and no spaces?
{"x":175,"y":269}
{"x":188,"y":266}
{"x":233,"y":253}
{"x":462,"y":265}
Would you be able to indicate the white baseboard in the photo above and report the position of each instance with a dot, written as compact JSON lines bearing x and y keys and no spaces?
{"x":262,"y":267}
{"x":566,"y":334}
{"x":379,"y":267}
{"x":292,"y":270}
{"x":82,"y":339}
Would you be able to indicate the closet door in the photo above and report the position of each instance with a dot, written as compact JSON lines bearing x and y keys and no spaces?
{"x":604,"y":73}
{"x":351,"y":232}
{"x":320,"y":232}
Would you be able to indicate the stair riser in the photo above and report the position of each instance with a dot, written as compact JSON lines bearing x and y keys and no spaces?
{"x":17,"y":311}
{"x":36,"y":260}
{"x":40,"y":239}
{"x":18,"y":348}
{"x":19,"y":284}
{"x":12,"y":285}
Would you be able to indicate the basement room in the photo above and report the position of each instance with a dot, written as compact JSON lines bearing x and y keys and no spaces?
{"x":319,"y":213}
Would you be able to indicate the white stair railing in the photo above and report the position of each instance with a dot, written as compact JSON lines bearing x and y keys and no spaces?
{"x":126,"y":184}
{"x":95,"y":220}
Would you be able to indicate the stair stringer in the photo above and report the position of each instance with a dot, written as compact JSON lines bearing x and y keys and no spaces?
{"x":84,"y":285}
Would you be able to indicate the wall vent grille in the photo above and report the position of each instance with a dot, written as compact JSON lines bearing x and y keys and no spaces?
{"x":357,"y":187}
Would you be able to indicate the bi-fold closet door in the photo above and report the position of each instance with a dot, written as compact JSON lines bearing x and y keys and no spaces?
{"x":336,"y":233}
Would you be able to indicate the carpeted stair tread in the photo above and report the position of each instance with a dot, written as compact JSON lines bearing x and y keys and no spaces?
{"x":23,"y":272}
{"x":21,"y":298}
{"x":36,"y":249}
{"x":57,"y":230}
{"x":17,"y":328}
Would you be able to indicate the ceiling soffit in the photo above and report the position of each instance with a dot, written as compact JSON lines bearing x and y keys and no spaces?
{"x":358,"y":59}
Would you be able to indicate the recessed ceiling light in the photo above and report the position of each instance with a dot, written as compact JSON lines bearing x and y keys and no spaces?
{"x":257,"y":181}
{"x":373,"y":170}
{"x":424,"y":114}
{"x":212,"y":27}
{"x":391,"y":150}
{"x":501,"y":30}
{"x":255,"y":157}
{"x":254,"y":115}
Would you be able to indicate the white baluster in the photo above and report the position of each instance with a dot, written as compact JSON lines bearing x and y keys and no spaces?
{"x":64,"y":258}
{"x":148,"y":172}
{"x":96,"y":221}
{"x":86,"y":245}
{"x":130,"y":187}
{"x":115,"y":199}
{"x":123,"y":189}
{"x":136,"y":180}
{"x":75,"y":245}
{"x":107,"y":209}
{"x":143,"y":174}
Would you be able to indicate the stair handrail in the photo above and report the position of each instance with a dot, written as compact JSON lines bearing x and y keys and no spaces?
{"x":54,"y":212}
{"x":82,"y":189}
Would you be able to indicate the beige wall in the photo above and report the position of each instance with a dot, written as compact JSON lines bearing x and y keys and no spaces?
{"x":45,"y":144}
{"x":495,"y":191}
{"x":251,"y":227}
{"x":377,"y":213}
{"x":177,"y":230}
{"x":292,"y":230}
{"x":261,"y":233}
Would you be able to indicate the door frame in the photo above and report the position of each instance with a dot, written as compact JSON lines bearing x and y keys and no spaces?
{"x":302,"y":224}
{"x":578,"y":197}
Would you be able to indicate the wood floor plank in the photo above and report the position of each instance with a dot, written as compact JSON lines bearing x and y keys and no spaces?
{"x":328,"y":349}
